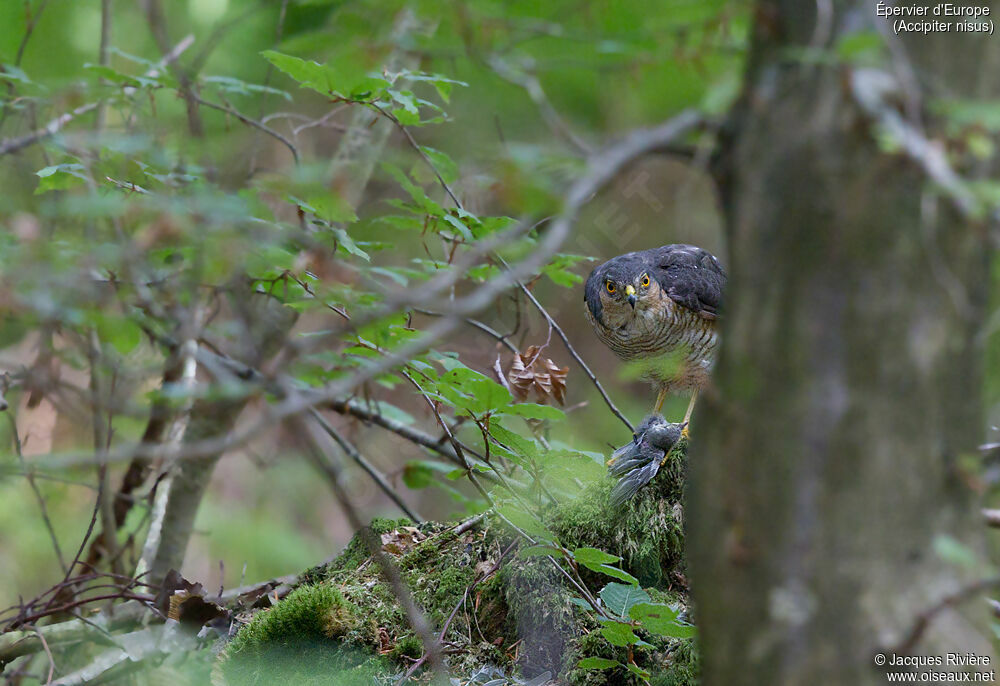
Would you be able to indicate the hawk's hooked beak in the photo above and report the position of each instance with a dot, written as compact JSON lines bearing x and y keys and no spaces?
{"x":630,"y":292}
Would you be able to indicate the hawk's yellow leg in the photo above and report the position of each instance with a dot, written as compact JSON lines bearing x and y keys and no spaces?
{"x":659,"y":401}
{"x":687,"y":415}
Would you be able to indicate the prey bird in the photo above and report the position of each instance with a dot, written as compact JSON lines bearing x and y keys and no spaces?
{"x":637,"y":462}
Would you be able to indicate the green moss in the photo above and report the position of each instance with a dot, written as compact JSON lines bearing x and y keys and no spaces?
{"x":408,"y":646}
{"x":295,"y":642}
{"x":647,"y":532}
{"x":356,"y":551}
{"x":525,"y":611}
{"x":684,"y":668}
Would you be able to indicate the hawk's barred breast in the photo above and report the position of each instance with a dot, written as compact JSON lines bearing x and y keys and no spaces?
{"x":675,"y":320}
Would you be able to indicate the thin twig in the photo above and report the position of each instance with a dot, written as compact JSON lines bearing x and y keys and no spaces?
{"x":249,"y":122}
{"x":158,"y":27}
{"x":475,"y":323}
{"x":56,"y":125}
{"x":924,"y":619}
{"x":29,"y":29}
{"x":48,"y":654}
{"x":30,"y":476}
{"x":533,"y":87}
{"x":572,"y":351}
{"x":418,"y":622}
{"x":352,"y":452}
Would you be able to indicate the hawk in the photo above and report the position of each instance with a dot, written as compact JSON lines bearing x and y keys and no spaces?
{"x":659,"y":308}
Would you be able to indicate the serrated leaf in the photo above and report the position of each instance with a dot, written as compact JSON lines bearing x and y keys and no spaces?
{"x":348,"y":244}
{"x":614,"y":572}
{"x":535,"y":411}
{"x":637,"y":670}
{"x":60,"y":177}
{"x":472,"y":392}
{"x":308,"y":74}
{"x":525,"y":521}
{"x":594,"y":556}
{"x":618,"y":633}
{"x":444,"y":165}
{"x":458,"y":225}
{"x":406,"y":99}
{"x":620,"y":598}
{"x":539,"y":551}
{"x":331,"y":207}
{"x":661,"y":620}
{"x":405,"y":117}
{"x":597,"y":663}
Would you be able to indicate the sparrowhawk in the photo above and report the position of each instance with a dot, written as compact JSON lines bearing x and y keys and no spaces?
{"x":657,"y":308}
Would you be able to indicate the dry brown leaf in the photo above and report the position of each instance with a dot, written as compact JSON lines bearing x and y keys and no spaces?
{"x":400,"y":540}
{"x":530,"y":372}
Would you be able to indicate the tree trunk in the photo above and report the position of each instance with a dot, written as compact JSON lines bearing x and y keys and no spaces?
{"x":825,"y":462}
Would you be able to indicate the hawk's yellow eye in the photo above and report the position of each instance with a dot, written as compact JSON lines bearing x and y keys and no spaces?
{"x":645,"y":280}
{"x":611,"y":287}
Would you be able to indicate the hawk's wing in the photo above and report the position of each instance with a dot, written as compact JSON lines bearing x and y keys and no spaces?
{"x":691,"y":277}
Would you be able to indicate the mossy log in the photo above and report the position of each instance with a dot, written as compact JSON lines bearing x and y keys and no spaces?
{"x":343,"y":624}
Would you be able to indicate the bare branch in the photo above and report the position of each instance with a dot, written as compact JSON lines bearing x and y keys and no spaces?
{"x":10,"y":145}
{"x":924,"y":619}
{"x":352,"y":452}
{"x":249,"y":122}
{"x":533,"y":87}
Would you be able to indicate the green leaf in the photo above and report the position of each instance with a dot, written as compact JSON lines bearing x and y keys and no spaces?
{"x":523,"y":448}
{"x":637,"y":670}
{"x":418,"y":474}
{"x":406,"y":117}
{"x":420,"y":198}
{"x":953,"y":551}
{"x":444,"y":165}
{"x":661,"y":620}
{"x":476,"y":393}
{"x":318,"y":77}
{"x":228,"y":84}
{"x":348,"y":244}
{"x":332,"y":208}
{"x":390,"y":411}
{"x":404,"y":98}
{"x":60,"y":177}
{"x":539,"y":551}
{"x":597,"y":663}
{"x":559,"y":269}
{"x":121,"y":332}
{"x":614,"y":572}
{"x":620,"y":599}
{"x":618,"y":633}
{"x":458,"y":225}
{"x":535,"y":411}
{"x":593,"y":556}
{"x":525,"y":521}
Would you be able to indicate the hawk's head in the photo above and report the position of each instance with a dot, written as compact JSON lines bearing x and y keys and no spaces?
{"x":621,"y":289}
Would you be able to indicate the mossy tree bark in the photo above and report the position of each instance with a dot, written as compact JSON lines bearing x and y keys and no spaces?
{"x":826,"y":462}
